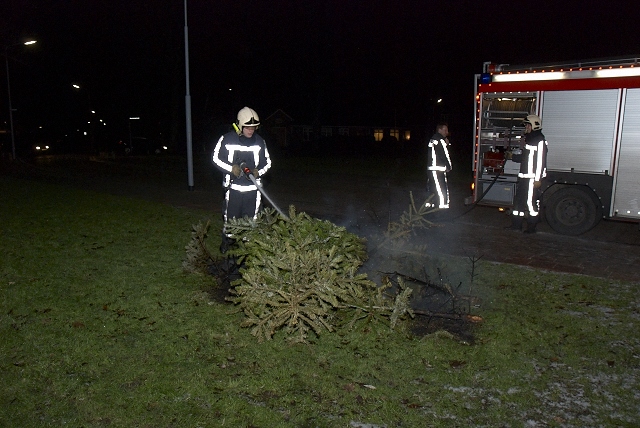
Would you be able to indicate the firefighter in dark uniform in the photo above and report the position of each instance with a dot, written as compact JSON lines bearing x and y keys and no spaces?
{"x":234,"y":152}
{"x":438,"y":165}
{"x":533,"y":168}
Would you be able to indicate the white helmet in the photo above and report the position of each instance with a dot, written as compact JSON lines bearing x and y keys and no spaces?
{"x":248,"y":117}
{"x":534,"y":121}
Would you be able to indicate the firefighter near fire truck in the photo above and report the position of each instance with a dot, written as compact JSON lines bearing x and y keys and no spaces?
{"x":234,"y":154}
{"x":438,"y":165}
{"x":533,"y":168}
{"x":591,"y":115}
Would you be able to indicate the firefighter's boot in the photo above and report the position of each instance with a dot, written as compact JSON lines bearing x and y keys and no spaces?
{"x":229,"y":268}
{"x":516,"y":223}
{"x":226,"y":243}
{"x":531,"y":226}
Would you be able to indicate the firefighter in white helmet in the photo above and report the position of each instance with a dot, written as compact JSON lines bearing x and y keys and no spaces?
{"x":533,"y":168}
{"x":234,"y":152}
{"x":438,"y":165}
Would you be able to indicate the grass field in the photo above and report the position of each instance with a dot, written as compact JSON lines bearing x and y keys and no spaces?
{"x":99,"y":326}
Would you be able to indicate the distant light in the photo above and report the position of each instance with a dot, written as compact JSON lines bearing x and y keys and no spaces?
{"x":230,"y":89}
{"x":76,"y":86}
{"x":439,"y":100}
{"x":93,"y":111}
{"x":529,"y":77}
{"x":134,"y":118}
{"x":31,"y":42}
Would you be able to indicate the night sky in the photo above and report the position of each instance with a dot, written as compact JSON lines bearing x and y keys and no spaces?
{"x":335,"y":62}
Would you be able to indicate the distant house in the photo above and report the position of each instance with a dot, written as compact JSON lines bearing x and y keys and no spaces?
{"x":282,"y":132}
{"x":279,"y":129}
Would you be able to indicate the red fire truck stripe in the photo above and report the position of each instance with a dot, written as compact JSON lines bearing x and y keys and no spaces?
{"x":561,"y":85}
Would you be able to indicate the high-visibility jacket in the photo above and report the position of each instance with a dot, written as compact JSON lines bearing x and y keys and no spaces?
{"x":438,"y":158}
{"x":533,"y":163}
{"x":233,"y":149}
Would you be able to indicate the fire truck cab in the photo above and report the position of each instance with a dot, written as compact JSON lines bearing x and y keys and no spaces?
{"x":590,"y":115}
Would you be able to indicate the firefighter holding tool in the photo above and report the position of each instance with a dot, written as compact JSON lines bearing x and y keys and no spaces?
{"x":533,"y":168}
{"x":235,"y":153}
{"x":438,"y":165}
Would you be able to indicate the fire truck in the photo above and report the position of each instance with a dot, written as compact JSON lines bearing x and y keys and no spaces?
{"x":590,"y":115}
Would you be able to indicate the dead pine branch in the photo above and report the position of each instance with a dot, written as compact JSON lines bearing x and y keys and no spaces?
{"x":410,"y":220}
{"x":451,"y":316}
{"x":198,"y":257}
{"x":445,"y":289}
{"x":474,"y":259}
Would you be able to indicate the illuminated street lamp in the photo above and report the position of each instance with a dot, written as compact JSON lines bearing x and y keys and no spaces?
{"x":436,"y":104}
{"x":6,"y":58}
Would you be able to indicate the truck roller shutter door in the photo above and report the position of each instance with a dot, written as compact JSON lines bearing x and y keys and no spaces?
{"x":580,"y":128}
{"x":626,"y":202}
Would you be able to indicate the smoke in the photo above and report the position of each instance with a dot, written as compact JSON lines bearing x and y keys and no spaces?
{"x":432,"y":261}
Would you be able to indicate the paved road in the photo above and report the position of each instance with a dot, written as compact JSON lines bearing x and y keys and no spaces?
{"x":610,"y":250}
{"x":362,"y":203}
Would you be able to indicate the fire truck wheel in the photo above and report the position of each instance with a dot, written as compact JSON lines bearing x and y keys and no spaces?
{"x":573,"y":210}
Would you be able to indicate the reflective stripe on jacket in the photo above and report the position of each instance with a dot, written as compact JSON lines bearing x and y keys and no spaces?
{"x":438,"y":155}
{"x":534,"y":157}
{"x":232,"y":149}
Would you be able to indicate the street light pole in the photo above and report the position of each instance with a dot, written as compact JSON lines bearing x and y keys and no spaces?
{"x":130,"y":136}
{"x":187,"y":102}
{"x":6,"y":60}
{"x":13,"y":141}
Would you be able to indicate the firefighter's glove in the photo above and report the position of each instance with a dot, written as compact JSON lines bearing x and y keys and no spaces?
{"x":537,"y":184}
{"x":236,"y":170}
{"x":255,"y":173}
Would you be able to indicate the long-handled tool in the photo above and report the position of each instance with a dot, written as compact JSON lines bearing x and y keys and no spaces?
{"x":249,"y":174}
